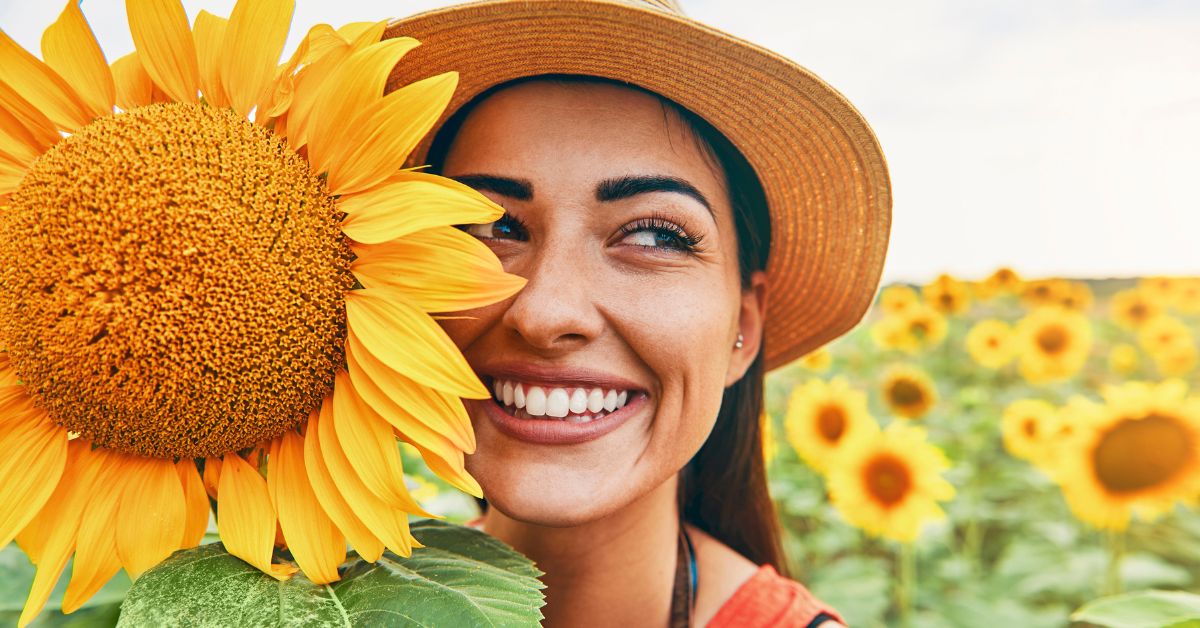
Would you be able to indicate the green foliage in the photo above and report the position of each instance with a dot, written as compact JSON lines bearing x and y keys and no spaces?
{"x":461,"y":578}
{"x":100,"y":610}
{"x":1145,"y":609}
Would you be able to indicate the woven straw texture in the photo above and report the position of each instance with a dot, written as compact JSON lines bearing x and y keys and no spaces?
{"x":820,"y":165}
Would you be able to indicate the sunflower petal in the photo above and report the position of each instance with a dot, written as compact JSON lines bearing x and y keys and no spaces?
{"x":208,"y":32}
{"x":311,"y":535}
{"x":386,"y":522}
{"x":371,"y":448}
{"x":450,"y":466}
{"x":212,"y":476}
{"x":413,"y":201}
{"x":357,"y":84}
{"x":246,"y":520}
{"x":135,"y":88}
{"x":32,"y":118}
{"x":41,"y":86}
{"x":164,"y":42}
{"x":196,"y":504}
{"x":70,"y":48}
{"x":50,"y":537}
{"x":379,"y":138}
{"x":152,"y":515}
{"x":96,"y":559}
{"x":33,"y":455}
{"x":329,"y":494}
{"x":439,"y":270}
{"x":11,"y":175}
{"x":250,"y":51}
{"x":408,"y":341}
{"x":16,"y":140}
{"x":429,"y":416}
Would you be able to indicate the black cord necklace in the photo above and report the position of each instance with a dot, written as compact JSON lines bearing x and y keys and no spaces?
{"x":683,"y":595}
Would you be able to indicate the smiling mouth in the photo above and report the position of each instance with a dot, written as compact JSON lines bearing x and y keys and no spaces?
{"x":572,"y":404}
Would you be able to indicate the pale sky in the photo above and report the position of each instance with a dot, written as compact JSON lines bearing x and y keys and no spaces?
{"x":1059,"y":137}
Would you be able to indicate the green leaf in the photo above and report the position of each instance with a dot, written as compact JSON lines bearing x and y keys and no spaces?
{"x":462,"y":577}
{"x":1148,"y":609}
{"x":16,"y":576}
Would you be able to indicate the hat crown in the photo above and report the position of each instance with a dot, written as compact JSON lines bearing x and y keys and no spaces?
{"x":669,"y":6}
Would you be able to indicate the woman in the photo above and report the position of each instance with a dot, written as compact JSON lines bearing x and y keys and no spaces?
{"x":689,"y":211}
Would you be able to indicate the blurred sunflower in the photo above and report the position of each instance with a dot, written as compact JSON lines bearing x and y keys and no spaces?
{"x":897,"y":299}
{"x":947,"y":295}
{"x":1052,"y":343}
{"x":1187,"y":296}
{"x":1076,"y":296}
{"x":890,"y":482}
{"x":1132,"y":308}
{"x":908,"y":391}
{"x":1044,"y":292}
{"x":822,"y":417}
{"x":1003,"y":281}
{"x":256,"y":296}
{"x":1176,"y":362}
{"x":1123,"y":359}
{"x":1161,"y":290}
{"x":1027,"y":425}
{"x":990,"y":343}
{"x":920,"y":328}
{"x":1169,"y":341}
{"x":1139,"y":454}
{"x":818,"y":360}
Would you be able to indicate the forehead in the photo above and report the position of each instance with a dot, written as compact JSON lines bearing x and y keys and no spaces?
{"x":599,"y":128}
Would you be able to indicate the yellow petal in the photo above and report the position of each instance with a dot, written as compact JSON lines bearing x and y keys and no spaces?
{"x":41,"y":86}
{"x":329,"y":494}
{"x":96,"y":560}
{"x":357,"y":84}
{"x":250,"y":52}
{"x":70,"y":48}
{"x":16,"y":141}
{"x":152,"y":515}
{"x":246,"y":520}
{"x":50,"y":537}
{"x":212,"y":476}
{"x":371,"y":448}
{"x":379,"y":138}
{"x":439,"y":270}
{"x":429,"y":416}
{"x":196,"y":503}
{"x":164,"y":44}
{"x":413,"y":201}
{"x":449,"y":465}
{"x":208,"y":32}
{"x":36,"y":122}
{"x":408,"y":341}
{"x":311,"y":535}
{"x":33,"y":454}
{"x":356,"y":31}
{"x":308,"y":83}
{"x":134,"y":86}
{"x":387,"y":523}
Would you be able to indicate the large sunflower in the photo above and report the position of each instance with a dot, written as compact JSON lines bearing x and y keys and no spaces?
{"x":1139,"y":453}
{"x":183,"y":286}
{"x":908,"y":391}
{"x":822,"y":417}
{"x":889,"y":484}
{"x":990,"y":343}
{"x":1052,"y":343}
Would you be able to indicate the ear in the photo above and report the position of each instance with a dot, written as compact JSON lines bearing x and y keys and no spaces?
{"x":751,"y":316}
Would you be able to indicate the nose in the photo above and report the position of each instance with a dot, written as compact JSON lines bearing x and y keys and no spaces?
{"x":556,"y":312}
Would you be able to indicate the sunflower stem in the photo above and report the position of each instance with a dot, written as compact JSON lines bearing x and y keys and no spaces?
{"x":906,"y":588}
{"x":1115,"y":540}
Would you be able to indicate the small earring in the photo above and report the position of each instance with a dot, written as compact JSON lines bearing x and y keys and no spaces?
{"x":740,"y":341}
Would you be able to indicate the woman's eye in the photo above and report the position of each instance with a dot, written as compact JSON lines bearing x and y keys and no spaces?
{"x":658,"y":233}
{"x":505,"y":228}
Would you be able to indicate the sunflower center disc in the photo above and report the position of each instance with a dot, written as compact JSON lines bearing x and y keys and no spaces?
{"x":831,"y":422}
{"x":172,"y":283}
{"x":888,"y":479}
{"x":1052,"y":339}
{"x":1141,"y":453}
{"x":906,"y":393}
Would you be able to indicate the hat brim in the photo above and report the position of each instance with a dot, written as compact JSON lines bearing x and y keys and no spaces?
{"x":820,"y":165}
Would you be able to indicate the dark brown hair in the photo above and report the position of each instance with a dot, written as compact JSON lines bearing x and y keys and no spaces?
{"x":723,"y":488}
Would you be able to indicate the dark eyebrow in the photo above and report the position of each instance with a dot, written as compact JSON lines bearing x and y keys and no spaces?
{"x":632,"y":185}
{"x":519,"y":189}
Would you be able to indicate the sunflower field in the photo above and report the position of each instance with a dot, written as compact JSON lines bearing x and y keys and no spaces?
{"x":998,"y":452}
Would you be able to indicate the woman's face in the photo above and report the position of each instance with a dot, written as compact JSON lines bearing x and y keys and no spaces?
{"x":621,"y":224}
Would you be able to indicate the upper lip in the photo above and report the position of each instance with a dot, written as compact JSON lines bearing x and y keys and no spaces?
{"x":555,"y":376}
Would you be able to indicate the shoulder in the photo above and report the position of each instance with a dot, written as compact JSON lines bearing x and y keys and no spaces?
{"x":736,"y":593}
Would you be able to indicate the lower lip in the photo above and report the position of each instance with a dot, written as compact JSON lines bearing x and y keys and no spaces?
{"x":559,"y":432}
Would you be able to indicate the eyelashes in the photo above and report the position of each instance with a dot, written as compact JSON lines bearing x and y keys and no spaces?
{"x":655,"y":231}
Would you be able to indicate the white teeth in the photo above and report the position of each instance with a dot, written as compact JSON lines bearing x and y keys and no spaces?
{"x":579,"y":401}
{"x":558,"y":402}
{"x":535,"y":401}
{"x":579,"y":418}
{"x":499,"y":389}
{"x":622,"y":398}
{"x":610,"y":401}
{"x":595,"y":400}
{"x":508,"y":393}
{"x":519,"y":395}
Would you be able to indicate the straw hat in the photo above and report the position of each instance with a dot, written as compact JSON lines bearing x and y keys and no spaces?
{"x":821,"y":168}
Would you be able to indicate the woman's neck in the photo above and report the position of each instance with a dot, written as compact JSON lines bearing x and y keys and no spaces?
{"x":615,"y":571}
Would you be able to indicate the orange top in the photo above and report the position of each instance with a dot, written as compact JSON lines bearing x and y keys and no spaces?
{"x":769,"y":599}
